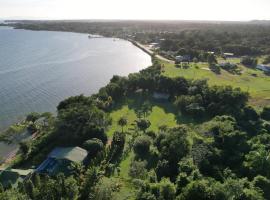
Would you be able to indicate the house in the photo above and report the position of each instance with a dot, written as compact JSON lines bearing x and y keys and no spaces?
{"x":13,"y":176}
{"x":264,"y":68}
{"x":61,"y":159}
{"x":160,"y":96}
{"x":184,"y":58}
{"x":228,"y":55}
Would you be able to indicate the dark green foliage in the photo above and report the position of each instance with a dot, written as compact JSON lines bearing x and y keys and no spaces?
{"x":117,"y":146}
{"x":264,"y":184}
{"x":142,"y":145}
{"x":215,"y":68}
{"x":249,"y":61}
{"x":25,"y":147}
{"x":138,"y":170}
{"x":32,"y":117}
{"x":93,"y":146}
{"x":81,"y":123}
{"x":211,"y":59}
{"x":143,"y":124}
{"x":74,"y":101}
{"x":122,"y":122}
{"x":173,"y":145}
{"x":266,"y":113}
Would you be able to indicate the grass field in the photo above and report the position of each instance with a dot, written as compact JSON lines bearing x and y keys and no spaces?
{"x":160,"y":114}
{"x":251,"y":80}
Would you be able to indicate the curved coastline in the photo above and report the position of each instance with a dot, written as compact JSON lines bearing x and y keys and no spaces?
{"x":13,"y":148}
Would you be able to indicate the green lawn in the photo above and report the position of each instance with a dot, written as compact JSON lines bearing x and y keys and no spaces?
{"x":160,"y":114}
{"x":251,"y":80}
{"x":158,"y":117}
{"x":127,"y":190}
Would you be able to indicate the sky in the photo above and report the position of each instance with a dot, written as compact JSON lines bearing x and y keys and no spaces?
{"x":223,"y":10}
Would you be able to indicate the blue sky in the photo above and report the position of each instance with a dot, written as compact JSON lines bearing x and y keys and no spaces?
{"x":231,"y":10}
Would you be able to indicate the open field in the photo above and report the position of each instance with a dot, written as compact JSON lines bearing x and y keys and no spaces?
{"x":251,"y":80}
{"x":158,"y":117}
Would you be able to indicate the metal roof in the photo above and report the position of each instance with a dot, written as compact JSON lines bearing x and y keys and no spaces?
{"x":74,"y":154}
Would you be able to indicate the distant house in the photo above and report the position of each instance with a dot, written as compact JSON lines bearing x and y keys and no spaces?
{"x":13,"y":176}
{"x":228,"y":55}
{"x":60,"y":160}
{"x":264,"y":68}
{"x":160,"y":96}
{"x":184,"y":58}
{"x":154,"y":45}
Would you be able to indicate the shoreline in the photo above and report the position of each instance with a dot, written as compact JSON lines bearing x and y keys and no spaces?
{"x":10,"y":155}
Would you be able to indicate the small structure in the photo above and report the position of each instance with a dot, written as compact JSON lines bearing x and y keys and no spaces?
{"x":60,"y":160}
{"x":13,"y":176}
{"x":228,"y":55}
{"x":154,"y":45}
{"x":160,"y":96}
{"x":264,"y":68}
{"x":185,"y":58}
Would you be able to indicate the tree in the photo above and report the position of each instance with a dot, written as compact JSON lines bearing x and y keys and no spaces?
{"x":93,"y":146}
{"x":138,"y":170}
{"x":199,"y":190}
{"x":266,"y":113}
{"x":174,"y":144}
{"x":30,"y":189}
{"x":142,"y":145}
{"x":32,"y":117}
{"x":13,"y":194}
{"x":258,"y":161}
{"x":122,"y":122}
{"x":25,"y":147}
{"x":211,"y":59}
{"x":167,"y":189}
{"x":249,"y":61}
{"x":143,"y":124}
{"x":264,"y":184}
{"x":117,"y":146}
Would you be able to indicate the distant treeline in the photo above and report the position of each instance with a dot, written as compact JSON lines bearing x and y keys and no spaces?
{"x":240,"y":38}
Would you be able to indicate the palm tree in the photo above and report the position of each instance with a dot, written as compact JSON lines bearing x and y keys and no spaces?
{"x":122,"y":122}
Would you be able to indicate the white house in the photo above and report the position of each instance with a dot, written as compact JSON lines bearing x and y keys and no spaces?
{"x":228,"y":55}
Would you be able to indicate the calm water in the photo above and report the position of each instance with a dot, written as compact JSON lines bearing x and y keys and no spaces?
{"x":39,"y":69}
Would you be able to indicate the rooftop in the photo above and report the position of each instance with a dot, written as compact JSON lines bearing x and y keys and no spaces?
{"x":74,"y":154}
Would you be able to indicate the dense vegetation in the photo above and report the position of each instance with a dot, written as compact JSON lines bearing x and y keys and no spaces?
{"x":222,"y":154}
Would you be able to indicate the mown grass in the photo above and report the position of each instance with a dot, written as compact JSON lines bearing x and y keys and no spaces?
{"x":252,"y":80}
{"x":160,"y":114}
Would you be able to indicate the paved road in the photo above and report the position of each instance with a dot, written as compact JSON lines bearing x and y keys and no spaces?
{"x":149,"y":51}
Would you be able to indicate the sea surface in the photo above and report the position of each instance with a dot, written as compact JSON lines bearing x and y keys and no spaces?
{"x":38,"y":69}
